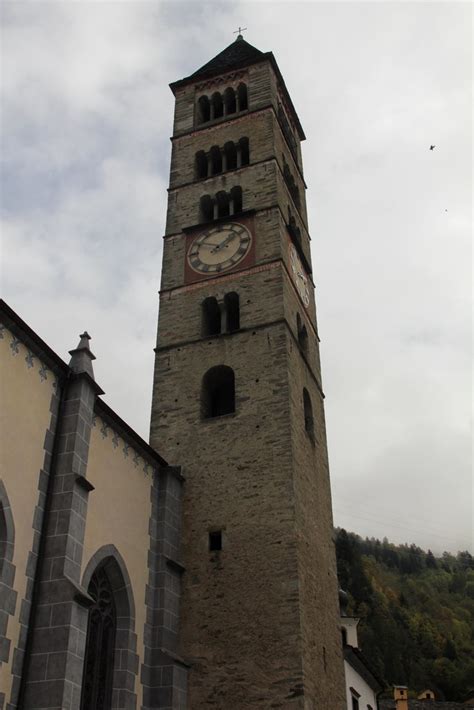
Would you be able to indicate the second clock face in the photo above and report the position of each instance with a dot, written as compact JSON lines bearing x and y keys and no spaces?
{"x":219,"y":248}
{"x":299,"y":276}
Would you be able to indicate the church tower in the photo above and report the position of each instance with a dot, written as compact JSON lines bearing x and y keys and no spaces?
{"x":238,"y":400}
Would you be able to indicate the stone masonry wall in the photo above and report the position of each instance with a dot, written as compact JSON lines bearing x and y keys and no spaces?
{"x":238,"y":473}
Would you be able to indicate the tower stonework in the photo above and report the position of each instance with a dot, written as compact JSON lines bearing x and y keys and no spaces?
{"x":238,"y":400}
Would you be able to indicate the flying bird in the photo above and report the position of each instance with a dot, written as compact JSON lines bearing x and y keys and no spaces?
{"x":432,"y":147}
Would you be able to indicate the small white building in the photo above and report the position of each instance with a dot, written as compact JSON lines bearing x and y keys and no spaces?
{"x":362,"y":684}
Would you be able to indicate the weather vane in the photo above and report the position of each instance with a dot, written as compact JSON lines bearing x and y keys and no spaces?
{"x":239,"y":31}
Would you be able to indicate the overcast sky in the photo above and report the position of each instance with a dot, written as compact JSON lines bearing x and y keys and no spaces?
{"x":86,"y":119}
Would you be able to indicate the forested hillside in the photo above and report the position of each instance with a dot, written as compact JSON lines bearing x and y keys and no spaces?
{"x":417,"y":610}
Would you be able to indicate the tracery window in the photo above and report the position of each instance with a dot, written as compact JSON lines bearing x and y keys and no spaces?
{"x":100,"y":644}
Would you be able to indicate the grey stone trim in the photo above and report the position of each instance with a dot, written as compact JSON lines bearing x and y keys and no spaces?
{"x":163,"y":673}
{"x":32,"y":563}
{"x":52,"y":674}
{"x":125,"y":655}
{"x":8,"y":596}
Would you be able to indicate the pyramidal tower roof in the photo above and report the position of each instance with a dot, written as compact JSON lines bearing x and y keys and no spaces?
{"x":237,"y":55}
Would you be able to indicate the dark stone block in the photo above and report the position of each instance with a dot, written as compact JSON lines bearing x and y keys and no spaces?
{"x":44,"y":694}
{"x":37,"y":667}
{"x":4,"y":649}
{"x":56,"y":666}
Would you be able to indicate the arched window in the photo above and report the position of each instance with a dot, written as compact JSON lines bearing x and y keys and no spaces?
{"x":206,"y":209}
{"x":218,"y":105}
{"x":302,"y":334}
{"x":211,"y":317}
{"x":201,"y":164}
{"x":232,"y":309}
{"x":223,"y":209}
{"x":244,"y":151}
{"x":216,"y":160}
{"x":229,"y":101}
{"x":236,"y":199}
{"x":99,"y":658}
{"x":204,"y":109}
{"x":230,"y":155}
{"x":308,"y":414}
{"x":218,"y":392}
{"x":242,"y":97}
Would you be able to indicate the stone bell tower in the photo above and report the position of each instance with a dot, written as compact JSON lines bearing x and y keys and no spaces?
{"x":238,"y":400}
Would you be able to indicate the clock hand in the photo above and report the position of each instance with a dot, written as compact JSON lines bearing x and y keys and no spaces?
{"x":218,"y":247}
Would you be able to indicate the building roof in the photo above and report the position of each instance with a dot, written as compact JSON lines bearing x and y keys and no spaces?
{"x":389,"y":704}
{"x":356,"y":659}
{"x":238,"y":55}
{"x":16,"y":325}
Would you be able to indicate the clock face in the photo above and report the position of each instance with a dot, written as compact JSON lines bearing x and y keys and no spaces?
{"x":299,"y":276}
{"x":219,"y":248}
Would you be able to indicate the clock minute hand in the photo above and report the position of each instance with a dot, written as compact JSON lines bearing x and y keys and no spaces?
{"x":218,"y":247}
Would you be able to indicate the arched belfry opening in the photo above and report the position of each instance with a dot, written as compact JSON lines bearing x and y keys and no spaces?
{"x":242,"y":97}
{"x":204,"y":109}
{"x":211,"y":317}
{"x":232,"y":309}
{"x":218,"y":392}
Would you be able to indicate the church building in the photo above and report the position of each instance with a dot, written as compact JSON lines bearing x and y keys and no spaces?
{"x":202,"y":576}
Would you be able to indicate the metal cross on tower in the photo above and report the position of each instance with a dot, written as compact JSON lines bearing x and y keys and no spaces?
{"x":239,"y":31}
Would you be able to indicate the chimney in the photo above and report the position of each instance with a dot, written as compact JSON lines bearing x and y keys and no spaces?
{"x":400,"y":694}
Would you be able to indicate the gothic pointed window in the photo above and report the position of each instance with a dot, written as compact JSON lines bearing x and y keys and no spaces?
{"x":100,"y":644}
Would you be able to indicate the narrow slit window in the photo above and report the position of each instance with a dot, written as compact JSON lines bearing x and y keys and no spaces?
{"x":308,"y":414}
{"x":215,"y":541}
